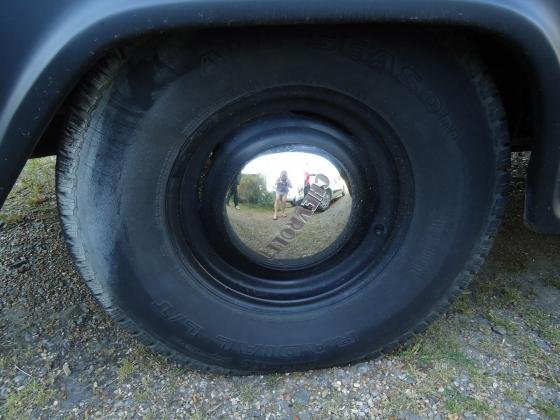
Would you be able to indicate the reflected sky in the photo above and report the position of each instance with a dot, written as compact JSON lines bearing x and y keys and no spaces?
{"x":295,"y":163}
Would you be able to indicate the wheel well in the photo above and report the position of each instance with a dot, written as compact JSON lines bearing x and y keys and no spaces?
{"x":505,"y":62}
{"x":513,"y":78}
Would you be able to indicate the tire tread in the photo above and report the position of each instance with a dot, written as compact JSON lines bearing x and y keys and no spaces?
{"x":80,"y":116}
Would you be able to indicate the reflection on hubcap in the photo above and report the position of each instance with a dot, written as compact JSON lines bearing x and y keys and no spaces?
{"x":281,"y":239}
{"x":288,"y":204}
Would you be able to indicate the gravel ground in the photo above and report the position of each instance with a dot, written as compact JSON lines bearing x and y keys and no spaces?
{"x":256,"y":228}
{"x":494,"y":354}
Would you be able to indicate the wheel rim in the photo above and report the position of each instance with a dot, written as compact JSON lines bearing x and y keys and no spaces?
{"x":318,"y":121}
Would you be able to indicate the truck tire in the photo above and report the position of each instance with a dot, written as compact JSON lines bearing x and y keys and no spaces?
{"x":418,"y":126}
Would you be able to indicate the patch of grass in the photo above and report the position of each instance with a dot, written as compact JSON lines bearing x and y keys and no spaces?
{"x":514,"y":395}
{"x":33,"y":188}
{"x":551,"y":333}
{"x":38,"y":178}
{"x":147,"y":359}
{"x":544,"y":324}
{"x":547,"y":408}
{"x":492,"y":348}
{"x":499,"y":321}
{"x":438,"y":344}
{"x":539,"y":364}
{"x":12,"y":218}
{"x":464,"y":304}
{"x":536,"y":318}
{"x":32,"y":395}
{"x":530,"y":353}
{"x":142,"y":359}
{"x":482,"y":292}
{"x":331,"y":405}
{"x":272,"y":381}
{"x":264,"y":207}
{"x":198,"y":415}
{"x":127,"y":368}
{"x":246,"y":392}
{"x":4,"y":362}
{"x":439,"y":350}
{"x":432,"y":378}
{"x":144,"y":393}
{"x":172,"y":383}
{"x":501,"y":292}
{"x":511,"y":295}
{"x":552,"y":282}
{"x":149,"y":416}
{"x":401,"y":403}
{"x":512,"y":262}
{"x":459,"y":403}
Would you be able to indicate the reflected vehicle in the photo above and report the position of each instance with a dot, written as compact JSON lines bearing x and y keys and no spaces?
{"x":337,"y":188}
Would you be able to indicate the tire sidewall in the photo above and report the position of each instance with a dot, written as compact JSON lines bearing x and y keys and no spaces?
{"x":425,"y":96}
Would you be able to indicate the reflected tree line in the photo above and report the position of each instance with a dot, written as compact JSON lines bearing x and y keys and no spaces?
{"x":250,"y":189}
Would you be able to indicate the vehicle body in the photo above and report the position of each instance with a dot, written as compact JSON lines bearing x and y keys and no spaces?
{"x":417,"y":103}
{"x":336,"y":189}
{"x":295,"y":196}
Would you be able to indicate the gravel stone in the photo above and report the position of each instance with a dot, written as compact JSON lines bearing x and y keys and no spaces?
{"x":499,"y":330}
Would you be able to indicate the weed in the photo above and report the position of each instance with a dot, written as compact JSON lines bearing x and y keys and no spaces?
{"x":126,"y":369}
{"x":511,"y":295}
{"x":401,"y":403}
{"x":12,"y":218}
{"x":145,"y":393}
{"x":458,"y":403}
{"x":538,"y":363}
{"x":464,"y":305}
{"x":514,"y":395}
{"x":499,"y":321}
{"x":272,"y":381}
{"x":547,"y":408}
{"x":552,"y":282}
{"x":551,"y":333}
{"x":33,"y":188}
{"x":246,"y":392}
{"x":4,"y":362}
{"x":438,"y":344}
{"x":543,"y":323}
{"x":33,"y":394}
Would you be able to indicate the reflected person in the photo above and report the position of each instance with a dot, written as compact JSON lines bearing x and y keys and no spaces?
{"x":306,"y":183}
{"x":233,"y":193}
{"x":282,"y":188}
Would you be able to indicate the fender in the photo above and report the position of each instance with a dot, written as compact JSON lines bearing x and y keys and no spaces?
{"x":48,"y":46}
